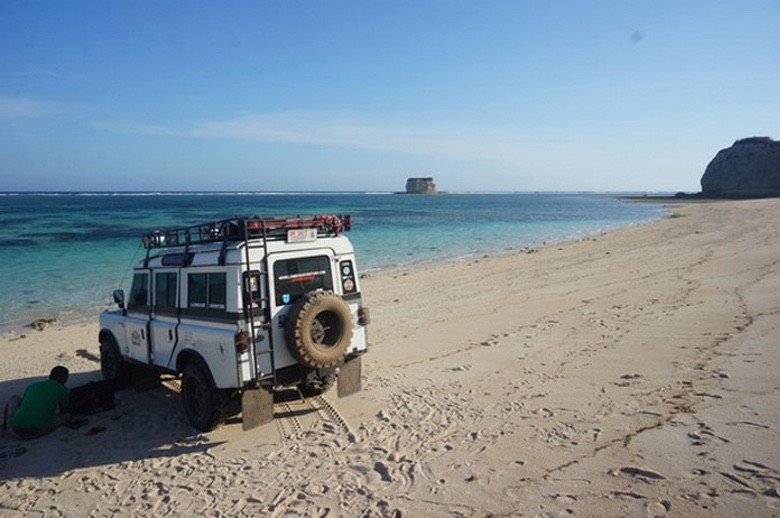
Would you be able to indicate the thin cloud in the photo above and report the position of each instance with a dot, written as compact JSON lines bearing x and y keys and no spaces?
{"x":139,"y":129}
{"x":41,"y":72}
{"x":17,"y":108}
{"x":351,"y":131}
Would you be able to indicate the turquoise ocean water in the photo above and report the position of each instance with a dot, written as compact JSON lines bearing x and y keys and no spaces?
{"x":62,"y":254}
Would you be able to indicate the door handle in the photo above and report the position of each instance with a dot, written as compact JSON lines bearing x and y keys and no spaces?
{"x":170,"y":334}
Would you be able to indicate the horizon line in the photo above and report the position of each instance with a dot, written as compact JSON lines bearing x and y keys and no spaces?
{"x":337,"y":191}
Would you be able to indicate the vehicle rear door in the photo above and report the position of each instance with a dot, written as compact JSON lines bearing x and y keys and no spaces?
{"x":292,"y":276}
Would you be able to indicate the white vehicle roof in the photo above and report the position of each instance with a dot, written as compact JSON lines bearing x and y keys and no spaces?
{"x":219,"y":242}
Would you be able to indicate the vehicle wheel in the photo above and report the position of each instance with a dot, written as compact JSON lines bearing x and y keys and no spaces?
{"x":319,"y":329}
{"x":204,"y":405}
{"x":112,"y":365}
{"x":317,"y":383}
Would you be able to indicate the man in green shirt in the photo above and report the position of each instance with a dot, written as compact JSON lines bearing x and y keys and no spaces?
{"x":33,"y":415}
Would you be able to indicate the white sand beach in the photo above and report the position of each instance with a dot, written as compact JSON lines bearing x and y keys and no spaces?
{"x":629,"y":374}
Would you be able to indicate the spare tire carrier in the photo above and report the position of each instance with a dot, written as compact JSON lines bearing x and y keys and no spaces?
{"x":319,"y":329}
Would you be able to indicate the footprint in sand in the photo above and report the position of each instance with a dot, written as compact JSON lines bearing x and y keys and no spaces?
{"x":657,"y":509}
{"x":627,"y":380}
{"x":644,"y":474}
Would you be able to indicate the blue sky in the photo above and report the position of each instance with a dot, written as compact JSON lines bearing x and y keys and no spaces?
{"x":359,"y":95}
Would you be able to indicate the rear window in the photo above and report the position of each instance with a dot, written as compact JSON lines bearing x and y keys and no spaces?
{"x":294,"y":277}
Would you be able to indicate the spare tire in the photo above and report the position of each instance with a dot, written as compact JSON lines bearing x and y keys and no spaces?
{"x":319,"y":329}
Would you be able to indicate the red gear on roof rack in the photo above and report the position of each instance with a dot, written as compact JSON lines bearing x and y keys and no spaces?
{"x":242,"y":228}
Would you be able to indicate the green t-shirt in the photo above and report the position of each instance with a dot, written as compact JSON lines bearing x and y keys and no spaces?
{"x":38,"y":405}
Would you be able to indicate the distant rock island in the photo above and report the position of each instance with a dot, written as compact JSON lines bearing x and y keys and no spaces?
{"x":420,"y":186}
{"x":750,"y":168}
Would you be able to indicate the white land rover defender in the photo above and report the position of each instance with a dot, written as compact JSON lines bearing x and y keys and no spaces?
{"x":240,"y":307}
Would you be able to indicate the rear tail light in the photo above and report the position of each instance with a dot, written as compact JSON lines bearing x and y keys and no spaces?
{"x":242,"y":342}
{"x":363,"y":317}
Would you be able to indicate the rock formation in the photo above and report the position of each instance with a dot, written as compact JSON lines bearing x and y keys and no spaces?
{"x":420,"y":186}
{"x":750,"y":168}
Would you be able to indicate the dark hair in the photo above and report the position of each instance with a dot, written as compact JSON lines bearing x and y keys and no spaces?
{"x":59,"y":373}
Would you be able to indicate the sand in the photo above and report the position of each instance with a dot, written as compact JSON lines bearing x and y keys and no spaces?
{"x":629,"y":374}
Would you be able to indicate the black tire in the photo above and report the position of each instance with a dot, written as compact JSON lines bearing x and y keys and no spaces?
{"x":204,"y":405}
{"x":319,"y":329}
{"x":112,"y":365}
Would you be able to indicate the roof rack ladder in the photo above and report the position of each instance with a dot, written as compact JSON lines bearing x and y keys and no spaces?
{"x":268,"y":325}
{"x":265,"y":301}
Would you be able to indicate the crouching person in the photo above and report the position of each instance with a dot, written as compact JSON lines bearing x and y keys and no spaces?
{"x":33,"y":415}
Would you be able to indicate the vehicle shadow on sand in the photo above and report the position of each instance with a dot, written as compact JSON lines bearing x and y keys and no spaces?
{"x":147,"y":423}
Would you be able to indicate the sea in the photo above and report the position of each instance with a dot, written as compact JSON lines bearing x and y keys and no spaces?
{"x":62,"y":254}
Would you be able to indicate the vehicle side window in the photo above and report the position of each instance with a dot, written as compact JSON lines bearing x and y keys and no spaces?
{"x":207,"y":290}
{"x":294,"y":277}
{"x":197,"y":289}
{"x":165,"y":290}
{"x":139,"y":292}
{"x":217,"y":289}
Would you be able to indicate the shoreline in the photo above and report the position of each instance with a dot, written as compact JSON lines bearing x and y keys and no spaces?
{"x":24,"y":326}
{"x":628,"y":373}
{"x":96,"y":256}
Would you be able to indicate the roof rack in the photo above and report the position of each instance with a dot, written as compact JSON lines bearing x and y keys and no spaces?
{"x":242,"y":228}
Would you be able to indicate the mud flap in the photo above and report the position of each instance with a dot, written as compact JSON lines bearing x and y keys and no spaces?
{"x":257,"y":407}
{"x":349,"y":377}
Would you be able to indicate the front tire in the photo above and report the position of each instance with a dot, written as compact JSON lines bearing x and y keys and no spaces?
{"x":204,"y":404}
{"x":112,"y":365}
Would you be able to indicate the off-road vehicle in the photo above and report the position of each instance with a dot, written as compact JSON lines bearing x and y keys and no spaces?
{"x":238,"y":308}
